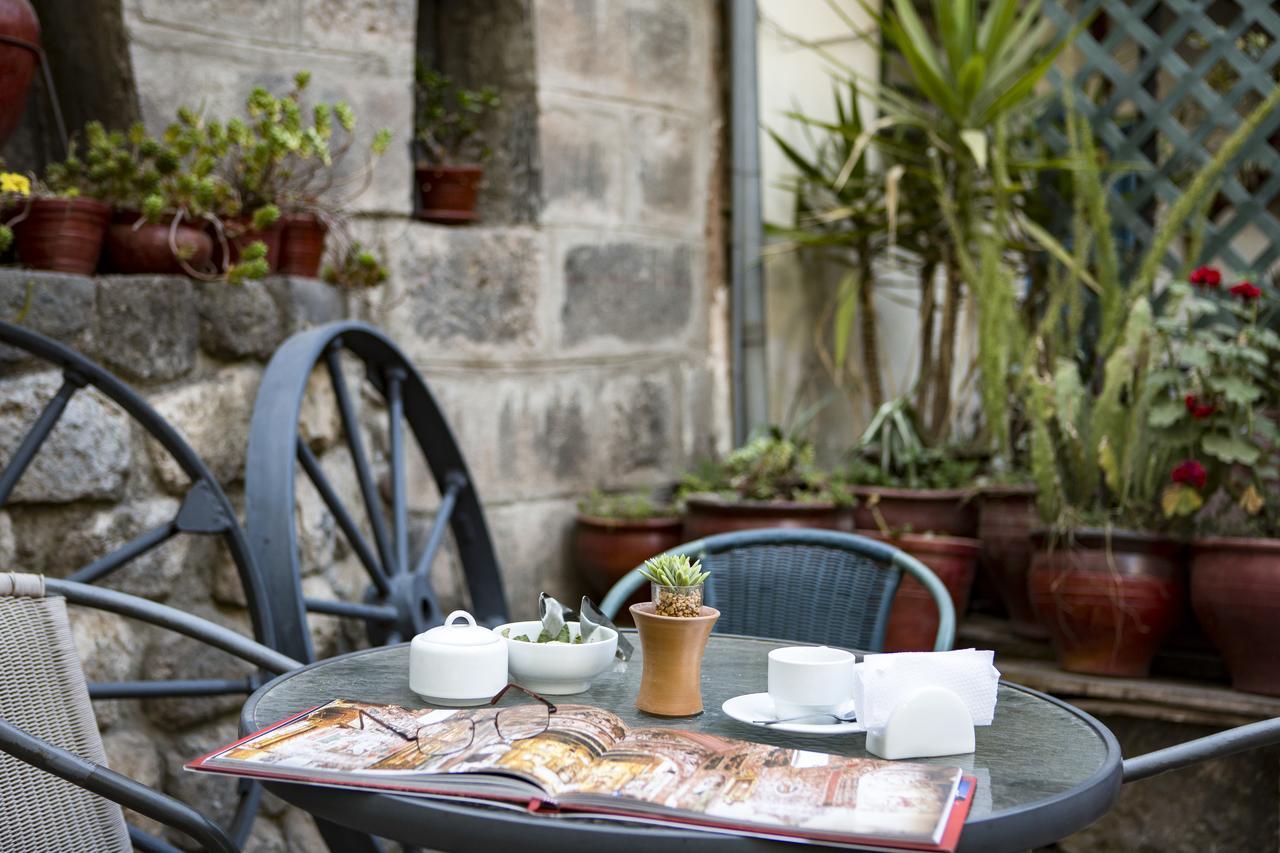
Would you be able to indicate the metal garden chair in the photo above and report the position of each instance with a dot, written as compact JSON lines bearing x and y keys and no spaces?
{"x":811,"y":586}
{"x":400,"y":600}
{"x":58,"y":795}
{"x":203,"y":511}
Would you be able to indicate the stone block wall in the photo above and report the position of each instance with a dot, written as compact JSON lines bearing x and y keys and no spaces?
{"x":575,"y":340}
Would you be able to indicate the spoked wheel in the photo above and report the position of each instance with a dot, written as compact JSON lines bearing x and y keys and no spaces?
{"x":392,"y":404}
{"x":203,"y":510}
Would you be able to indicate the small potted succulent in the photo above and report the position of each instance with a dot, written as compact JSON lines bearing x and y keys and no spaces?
{"x":449,"y":145}
{"x":771,"y":481}
{"x":615,"y":533}
{"x":355,"y":267}
{"x":58,"y":223}
{"x":674,"y":628}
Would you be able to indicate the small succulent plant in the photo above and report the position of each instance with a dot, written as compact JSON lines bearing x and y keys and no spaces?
{"x":677,"y":584}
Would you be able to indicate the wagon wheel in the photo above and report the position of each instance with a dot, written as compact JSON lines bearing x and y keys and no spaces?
{"x":203,"y":511}
{"x":399,"y":600}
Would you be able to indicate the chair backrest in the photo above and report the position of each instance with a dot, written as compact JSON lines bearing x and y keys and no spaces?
{"x":811,"y":586}
{"x":42,"y":690}
{"x":400,"y":600}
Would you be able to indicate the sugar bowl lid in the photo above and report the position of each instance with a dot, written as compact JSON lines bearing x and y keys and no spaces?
{"x":453,"y":633}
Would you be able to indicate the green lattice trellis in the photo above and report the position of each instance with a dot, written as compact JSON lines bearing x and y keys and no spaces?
{"x":1164,"y":81}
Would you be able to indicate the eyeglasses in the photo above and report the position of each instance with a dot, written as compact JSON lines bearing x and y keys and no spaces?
{"x":519,"y":722}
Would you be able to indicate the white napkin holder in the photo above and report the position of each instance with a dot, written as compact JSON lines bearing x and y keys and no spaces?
{"x":928,"y":722}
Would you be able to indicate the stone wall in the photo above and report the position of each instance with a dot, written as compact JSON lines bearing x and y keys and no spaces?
{"x":575,"y":340}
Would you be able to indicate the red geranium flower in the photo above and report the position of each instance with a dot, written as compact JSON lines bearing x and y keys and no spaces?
{"x":1246,"y":290}
{"x":1190,"y":472}
{"x":1205,"y":277}
{"x":1198,"y":409}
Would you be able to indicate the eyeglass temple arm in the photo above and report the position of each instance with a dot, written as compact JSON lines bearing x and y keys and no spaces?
{"x":503,"y":692}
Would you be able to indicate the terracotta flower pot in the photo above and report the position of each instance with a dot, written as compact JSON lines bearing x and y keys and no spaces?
{"x":447,"y":194}
{"x":301,"y":244}
{"x":134,"y":249}
{"x":946,"y":512}
{"x":239,"y":235}
{"x":706,"y":515}
{"x":913,"y":621}
{"x":1235,"y":592}
{"x":17,"y":63}
{"x":1006,"y":517}
{"x":62,"y":234}
{"x":1108,"y":602}
{"x":605,"y":549}
{"x":672,"y":647}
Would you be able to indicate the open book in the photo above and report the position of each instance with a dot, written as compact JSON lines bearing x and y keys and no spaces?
{"x":587,"y":763}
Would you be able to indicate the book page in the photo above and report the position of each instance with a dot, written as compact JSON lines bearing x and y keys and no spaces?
{"x":749,"y":783}
{"x":337,"y":740}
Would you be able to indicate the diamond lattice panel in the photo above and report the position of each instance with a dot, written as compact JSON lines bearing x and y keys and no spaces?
{"x":1164,"y":82}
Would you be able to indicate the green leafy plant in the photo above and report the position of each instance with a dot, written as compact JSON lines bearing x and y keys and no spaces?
{"x":891,"y":453}
{"x":1221,"y":390}
{"x":447,"y":118}
{"x":625,"y":506}
{"x":769,"y":467}
{"x":355,"y":267}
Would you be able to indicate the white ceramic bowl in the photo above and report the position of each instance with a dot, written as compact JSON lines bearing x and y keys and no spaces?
{"x":557,"y":669}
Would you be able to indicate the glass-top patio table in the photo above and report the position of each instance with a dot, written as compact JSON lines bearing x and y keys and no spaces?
{"x":1044,"y":768}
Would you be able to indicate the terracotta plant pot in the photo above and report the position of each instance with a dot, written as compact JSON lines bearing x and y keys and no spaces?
{"x":913,"y":621}
{"x":605,"y":549}
{"x":17,"y":63}
{"x":946,"y":512}
{"x":62,"y":234}
{"x":706,"y":515}
{"x":1006,"y":517}
{"x":239,"y":235}
{"x":1235,"y":592}
{"x":301,"y":244}
{"x":1108,"y":602}
{"x":134,"y":249}
{"x":447,"y":194}
{"x":672,"y":647}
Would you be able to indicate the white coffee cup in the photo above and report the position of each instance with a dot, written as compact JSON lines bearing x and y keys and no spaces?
{"x":810,"y":680}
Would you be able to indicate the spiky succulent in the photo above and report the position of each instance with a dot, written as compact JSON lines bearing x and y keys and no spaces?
{"x":674,"y":570}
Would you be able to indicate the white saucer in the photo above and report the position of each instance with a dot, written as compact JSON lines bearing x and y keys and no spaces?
{"x":758,"y":706}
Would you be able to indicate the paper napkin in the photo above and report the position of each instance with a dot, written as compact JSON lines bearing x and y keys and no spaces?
{"x":881,"y":681}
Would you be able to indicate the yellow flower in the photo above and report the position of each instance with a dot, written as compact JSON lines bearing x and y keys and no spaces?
{"x":12,"y":182}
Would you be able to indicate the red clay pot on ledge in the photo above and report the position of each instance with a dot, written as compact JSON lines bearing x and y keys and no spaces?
{"x":707,"y":515}
{"x":301,"y":244}
{"x":447,"y":194}
{"x":1006,"y":517}
{"x":1235,"y":592}
{"x":605,"y":549}
{"x":144,"y":249}
{"x":946,"y":512}
{"x":62,"y":234}
{"x":913,"y":621}
{"x":239,"y":235}
{"x":1107,"y":599}
{"x":17,"y":63}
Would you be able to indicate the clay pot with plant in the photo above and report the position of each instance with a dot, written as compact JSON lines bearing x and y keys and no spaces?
{"x":449,"y":145}
{"x":614,"y":533}
{"x":1224,"y":350}
{"x":771,"y":481}
{"x":57,"y":223}
{"x":674,"y":627}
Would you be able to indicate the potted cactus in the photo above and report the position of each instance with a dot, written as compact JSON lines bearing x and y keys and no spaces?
{"x":674,"y":628}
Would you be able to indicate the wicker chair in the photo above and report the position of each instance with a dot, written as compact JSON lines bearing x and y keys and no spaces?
{"x":811,"y":586}
{"x":56,"y":793}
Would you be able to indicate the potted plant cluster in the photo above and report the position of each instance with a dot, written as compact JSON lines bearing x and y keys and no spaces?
{"x":674,"y":626}
{"x":771,"y":481}
{"x":614,"y":533}
{"x":450,"y":146}
{"x":204,"y":199}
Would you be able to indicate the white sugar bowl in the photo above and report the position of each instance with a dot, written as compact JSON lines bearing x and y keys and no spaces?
{"x":458,"y":663}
